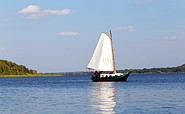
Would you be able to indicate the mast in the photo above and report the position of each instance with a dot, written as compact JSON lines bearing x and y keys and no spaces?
{"x":114,"y":62}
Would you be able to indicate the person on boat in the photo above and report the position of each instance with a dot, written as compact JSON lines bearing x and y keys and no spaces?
{"x":96,"y":74}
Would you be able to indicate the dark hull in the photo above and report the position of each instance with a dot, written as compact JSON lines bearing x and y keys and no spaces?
{"x":111,"y":79}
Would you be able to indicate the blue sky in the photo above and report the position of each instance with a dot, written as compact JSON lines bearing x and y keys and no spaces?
{"x":61,"y":35}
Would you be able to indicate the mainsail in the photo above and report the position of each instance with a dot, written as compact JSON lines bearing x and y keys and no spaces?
{"x":102,"y":59}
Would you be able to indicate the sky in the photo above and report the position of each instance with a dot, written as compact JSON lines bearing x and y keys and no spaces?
{"x":61,"y":35}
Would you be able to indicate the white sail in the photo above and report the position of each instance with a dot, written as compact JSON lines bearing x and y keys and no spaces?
{"x":102,"y":59}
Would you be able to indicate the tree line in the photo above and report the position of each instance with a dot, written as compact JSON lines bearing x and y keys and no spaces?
{"x":167,"y":70}
{"x":178,"y":69}
{"x":11,"y":68}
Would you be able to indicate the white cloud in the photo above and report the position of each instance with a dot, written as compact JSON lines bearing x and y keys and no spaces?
{"x":169,"y":38}
{"x":69,"y":33}
{"x":30,"y":9}
{"x":125,"y":28}
{"x":35,"y":12}
{"x":34,"y":16}
{"x":57,"y":12}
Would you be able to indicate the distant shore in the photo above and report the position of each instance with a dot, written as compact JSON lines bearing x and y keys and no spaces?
{"x":10,"y":69}
{"x":31,"y":75}
{"x":167,"y":70}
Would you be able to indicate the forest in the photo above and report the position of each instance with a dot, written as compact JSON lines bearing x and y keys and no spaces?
{"x":11,"y":68}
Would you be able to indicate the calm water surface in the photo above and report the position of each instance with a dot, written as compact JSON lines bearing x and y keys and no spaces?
{"x":164,"y":93}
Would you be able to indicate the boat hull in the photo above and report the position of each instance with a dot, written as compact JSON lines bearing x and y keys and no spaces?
{"x":122,"y":77}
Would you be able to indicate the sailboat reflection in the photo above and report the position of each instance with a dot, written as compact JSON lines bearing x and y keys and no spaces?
{"x":103,"y":97}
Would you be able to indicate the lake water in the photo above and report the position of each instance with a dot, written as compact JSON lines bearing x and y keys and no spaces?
{"x":159,"y":93}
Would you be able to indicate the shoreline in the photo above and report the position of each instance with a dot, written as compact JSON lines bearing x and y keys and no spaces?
{"x":29,"y":75}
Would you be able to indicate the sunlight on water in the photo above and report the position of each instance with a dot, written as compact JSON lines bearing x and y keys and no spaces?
{"x":103,"y":97}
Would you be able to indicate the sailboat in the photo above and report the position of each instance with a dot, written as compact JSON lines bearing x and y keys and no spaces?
{"x":103,"y":61}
